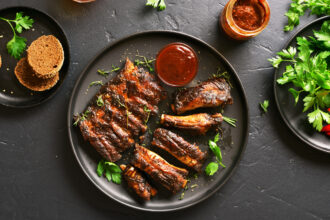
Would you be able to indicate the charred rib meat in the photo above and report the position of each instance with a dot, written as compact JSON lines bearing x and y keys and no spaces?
{"x":171,"y":177}
{"x":112,"y":126}
{"x":137,"y":182}
{"x":196,"y":123}
{"x":187,"y":153}
{"x":211,"y":93}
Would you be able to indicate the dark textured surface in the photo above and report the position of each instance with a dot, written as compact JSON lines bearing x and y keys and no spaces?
{"x":279,"y":177}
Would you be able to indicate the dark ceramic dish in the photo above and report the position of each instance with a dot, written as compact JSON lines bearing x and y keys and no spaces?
{"x":291,"y":114}
{"x":12,"y":93}
{"x":232,"y":144}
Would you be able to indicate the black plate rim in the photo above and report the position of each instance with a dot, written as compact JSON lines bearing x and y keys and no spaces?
{"x":190,"y":37}
{"x":68,"y":56}
{"x":276,"y":87}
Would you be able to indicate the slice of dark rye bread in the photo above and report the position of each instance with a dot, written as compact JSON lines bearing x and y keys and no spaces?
{"x":26,"y":76}
{"x":45,"y":56}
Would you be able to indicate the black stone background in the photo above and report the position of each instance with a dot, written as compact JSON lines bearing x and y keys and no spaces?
{"x":279,"y":177}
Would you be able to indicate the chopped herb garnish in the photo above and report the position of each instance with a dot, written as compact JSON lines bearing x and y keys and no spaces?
{"x":105,"y":73}
{"x":99,"y":101}
{"x":126,"y":108}
{"x":193,"y":186}
{"x":96,"y":83}
{"x":110,"y":170}
{"x":146,"y":62}
{"x":196,"y":176}
{"x":231,"y":121}
{"x":264,"y":105}
{"x":81,"y":117}
{"x":147,"y":110}
{"x":17,"y":44}
{"x":181,"y":196}
{"x":224,"y":75}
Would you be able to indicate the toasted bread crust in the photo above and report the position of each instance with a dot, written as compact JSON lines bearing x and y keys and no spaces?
{"x":45,"y":56}
{"x":27,"y":77}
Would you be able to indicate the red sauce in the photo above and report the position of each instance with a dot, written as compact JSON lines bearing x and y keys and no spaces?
{"x":176,"y":64}
{"x":248,"y":14}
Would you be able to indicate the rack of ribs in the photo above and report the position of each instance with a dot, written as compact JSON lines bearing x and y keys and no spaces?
{"x":171,"y":177}
{"x":188,"y":154}
{"x":137,"y":182}
{"x":196,"y":123}
{"x":112,"y":127}
{"x":211,"y":93}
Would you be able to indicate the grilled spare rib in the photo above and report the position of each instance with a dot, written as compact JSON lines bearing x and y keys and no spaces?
{"x":187,"y":153}
{"x":137,"y":182}
{"x":211,"y":93}
{"x":112,"y":125}
{"x":196,"y":123}
{"x":171,"y":177}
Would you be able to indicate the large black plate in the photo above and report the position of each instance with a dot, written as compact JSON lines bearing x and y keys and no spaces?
{"x":148,"y":44}
{"x":12,"y":93}
{"x":291,"y":114}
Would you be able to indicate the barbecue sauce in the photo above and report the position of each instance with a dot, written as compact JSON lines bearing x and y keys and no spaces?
{"x":248,"y":14}
{"x":176,"y":64}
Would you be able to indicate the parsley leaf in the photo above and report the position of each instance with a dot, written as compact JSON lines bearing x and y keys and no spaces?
{"x":16,"y":46}
{"x":211,"y":168}
{"x":22,"y":22}
{"x":110,"y":170}
{"x":160,"y":4}
{"x":264,"y":105}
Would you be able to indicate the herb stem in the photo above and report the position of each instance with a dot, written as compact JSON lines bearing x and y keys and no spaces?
{"x":231,"y":121}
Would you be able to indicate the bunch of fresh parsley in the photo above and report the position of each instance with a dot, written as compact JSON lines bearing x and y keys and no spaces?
{"x":17,"y":44}
{"x":213,"y":167}
{"x":110,"y":170}
{"x":299,"y":7}
{"x":160,"y":4}
{"x":308,"y":71}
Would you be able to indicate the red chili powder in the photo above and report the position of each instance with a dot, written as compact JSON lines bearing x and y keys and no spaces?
{"x":248,"y":14}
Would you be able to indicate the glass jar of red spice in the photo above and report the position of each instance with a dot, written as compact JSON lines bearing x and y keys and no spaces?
{"x":244,"y":19}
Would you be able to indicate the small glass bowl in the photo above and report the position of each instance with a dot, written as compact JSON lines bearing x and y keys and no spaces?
{"x":233,"y":30}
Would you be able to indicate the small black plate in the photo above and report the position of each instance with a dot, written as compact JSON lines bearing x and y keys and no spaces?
{"x":233,"y":143}
{"x":12,"y":93}
{"x":291,"y":114}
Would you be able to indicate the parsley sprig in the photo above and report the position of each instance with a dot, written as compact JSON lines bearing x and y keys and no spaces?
{"x":110,"y":170}
{"x":213,"y":167}
{"x":299,"y":8}
{"x":17,"y":44}
{"x":309,"y":73}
